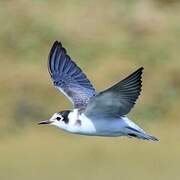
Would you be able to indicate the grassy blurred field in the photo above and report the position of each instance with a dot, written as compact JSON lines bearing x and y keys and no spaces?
{"x":109,"y":40}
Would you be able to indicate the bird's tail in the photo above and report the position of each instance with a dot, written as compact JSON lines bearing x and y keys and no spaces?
{"x":148,"y":137}
{"x":141,"y":135}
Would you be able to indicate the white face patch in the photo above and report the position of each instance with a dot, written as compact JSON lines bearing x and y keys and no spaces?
{"x":57,"y":120}
{"x":58,"y":117}
{"x":55,"y":115}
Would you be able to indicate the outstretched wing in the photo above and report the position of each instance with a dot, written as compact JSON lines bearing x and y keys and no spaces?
{"x":68,"y":77}
{"x":118,"y":100}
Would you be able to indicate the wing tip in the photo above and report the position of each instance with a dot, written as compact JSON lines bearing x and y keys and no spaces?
{"x":141,"y":69}
{"x":57,"y":43}
{"x":56,"y":46}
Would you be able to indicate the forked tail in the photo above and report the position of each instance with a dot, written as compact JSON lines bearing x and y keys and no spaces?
{"x":140,"y":135}
{"x":147,"y":137}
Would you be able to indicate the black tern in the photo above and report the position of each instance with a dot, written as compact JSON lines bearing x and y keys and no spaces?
{"x":94,"y":113}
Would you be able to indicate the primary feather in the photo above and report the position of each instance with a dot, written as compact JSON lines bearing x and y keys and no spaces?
{"x":68,"y":77}
{"x":117,"y":100}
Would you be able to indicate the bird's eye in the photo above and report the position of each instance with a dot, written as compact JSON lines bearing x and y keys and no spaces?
{"x":58,"y":118}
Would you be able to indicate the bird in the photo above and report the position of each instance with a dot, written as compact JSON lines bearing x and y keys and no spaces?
{"x":94,"y":113}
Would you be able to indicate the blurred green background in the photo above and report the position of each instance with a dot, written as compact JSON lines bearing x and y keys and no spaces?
{"x":109,"y":40}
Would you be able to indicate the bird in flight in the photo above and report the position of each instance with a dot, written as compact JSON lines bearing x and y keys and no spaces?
{"x":94,"y":113}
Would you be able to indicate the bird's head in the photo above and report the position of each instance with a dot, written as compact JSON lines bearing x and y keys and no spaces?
{"x":59,"y":119}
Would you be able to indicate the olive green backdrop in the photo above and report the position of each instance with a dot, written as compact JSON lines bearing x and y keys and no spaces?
{"x":109,"y":40}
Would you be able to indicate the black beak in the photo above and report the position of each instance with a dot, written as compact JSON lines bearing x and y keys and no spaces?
{"x":45,"y":122}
